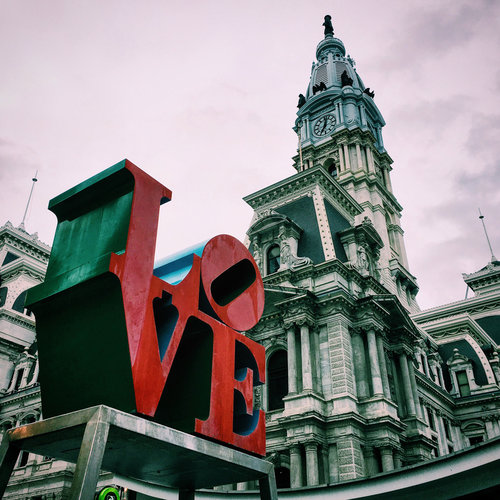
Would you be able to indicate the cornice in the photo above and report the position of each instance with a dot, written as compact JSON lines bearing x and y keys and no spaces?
{"x":17,"y":319}
{"x":473,"y":305}
{"x":457,"y":326}
{"x":16,"y":397}
{"x":431,"y":387}
{"x":303,"y":182}
{"x":21,"y":267}
{"x":22,"y":240}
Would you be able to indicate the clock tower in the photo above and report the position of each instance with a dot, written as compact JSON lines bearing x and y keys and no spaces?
{"x":341,"y":395}
{"x":340,"y":128}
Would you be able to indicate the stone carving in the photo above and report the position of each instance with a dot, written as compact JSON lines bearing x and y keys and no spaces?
{"x":328,"y":25}
{"x":362,"y":261}
{"x":369,"y":93}
{"x":257,"y":256}
{"x":289,"y":260}
{"x":345,"y":79}
{"x":266,"y":213}
{"x":319,"y":87}
{"x":288,"y":252}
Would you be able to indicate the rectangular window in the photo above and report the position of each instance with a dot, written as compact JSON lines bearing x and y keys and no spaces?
{"x":447,"y":430}
{"x":430,"y":418}
{"x":475,"y":440}
{"x":463,"y":383}
{"x":23,"y":459}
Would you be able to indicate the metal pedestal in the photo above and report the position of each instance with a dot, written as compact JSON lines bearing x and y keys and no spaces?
{"x":104,"y":438}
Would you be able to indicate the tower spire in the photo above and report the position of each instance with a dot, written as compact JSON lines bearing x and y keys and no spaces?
{"x":481,"y":217}
{"x":29,"y":198}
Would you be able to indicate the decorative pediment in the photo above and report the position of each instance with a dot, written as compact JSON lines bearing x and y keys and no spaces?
{"x":270,"y":220}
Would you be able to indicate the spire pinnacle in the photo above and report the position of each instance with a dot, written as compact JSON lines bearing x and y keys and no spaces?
{"x":481,"y":217}
{"x":29,"y":199}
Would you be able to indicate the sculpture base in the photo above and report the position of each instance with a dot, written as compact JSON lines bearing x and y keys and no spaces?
{"x":104,"y":438}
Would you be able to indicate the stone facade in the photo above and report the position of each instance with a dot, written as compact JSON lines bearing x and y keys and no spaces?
{"x":372,"y":384}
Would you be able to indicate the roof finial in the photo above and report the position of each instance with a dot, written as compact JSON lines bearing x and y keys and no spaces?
{"x":481,"y":217}
{"x":29,"y":199}
{"x":328,"y":26}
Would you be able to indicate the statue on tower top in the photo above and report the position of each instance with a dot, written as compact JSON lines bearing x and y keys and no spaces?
{"x":328,"y":26}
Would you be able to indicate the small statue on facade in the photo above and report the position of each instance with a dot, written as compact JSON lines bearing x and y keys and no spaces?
{"x":345,"y":79}
{"x":319,"y":87}
{"x":257,"y":256}
{"x":362,"y":259}
{"x":302,"y":101}
{"x":369,"y":93}
{"x":328,"y":25}
{"x":288,"y":252}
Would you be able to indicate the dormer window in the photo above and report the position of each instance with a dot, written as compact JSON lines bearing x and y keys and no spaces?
{"x":463,"y":383}
{"x":273,"y":259}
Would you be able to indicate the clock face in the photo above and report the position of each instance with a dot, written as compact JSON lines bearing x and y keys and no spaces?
{"x":324,"y":125}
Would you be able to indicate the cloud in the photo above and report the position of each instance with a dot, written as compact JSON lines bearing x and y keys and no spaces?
{"x":16,"y":162}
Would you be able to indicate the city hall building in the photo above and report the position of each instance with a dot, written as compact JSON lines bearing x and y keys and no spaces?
{"x":360,"y":383}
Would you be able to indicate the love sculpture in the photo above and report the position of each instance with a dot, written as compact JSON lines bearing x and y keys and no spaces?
{"x":111,"y":331}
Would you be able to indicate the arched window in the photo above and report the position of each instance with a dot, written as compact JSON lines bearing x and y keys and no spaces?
{"x":273,"y":259}
{"x":330,"y":167}
{"x":282,"y":477}
{"x":277,"y":380}
{"x":332,"y":170}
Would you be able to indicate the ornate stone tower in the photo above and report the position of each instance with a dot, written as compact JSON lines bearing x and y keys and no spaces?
{"x":341,"y":393}
{"x":340,"y":129}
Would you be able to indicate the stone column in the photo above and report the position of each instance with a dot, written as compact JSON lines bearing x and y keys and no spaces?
{"x":296,"y":480}
{"x":292,"y":360}
{"x":425,"y":363}
{"x":341,"y":160}
{"x":440,"y":375}
{"x":410,"y":402}
{"x":362,"y":114}
{"x":358,"y":351}
{"x":387,"y":458}
{"x":307,"y":378}
{"x":371,"y":163}
{"x":359,"y":157}
{"x":413,"y":382}
{"x":333,"y":464}
{"x":346,"y":157}
{"x":383,"y":367}
{"x":312,"y":468}
{"x":387,"y":180}
{"x":442,"y":440}
{"x":374,"y":362}
{"x":341,"y":112}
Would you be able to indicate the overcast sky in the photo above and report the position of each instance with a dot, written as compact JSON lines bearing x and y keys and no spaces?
{"x":202,"y":96}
